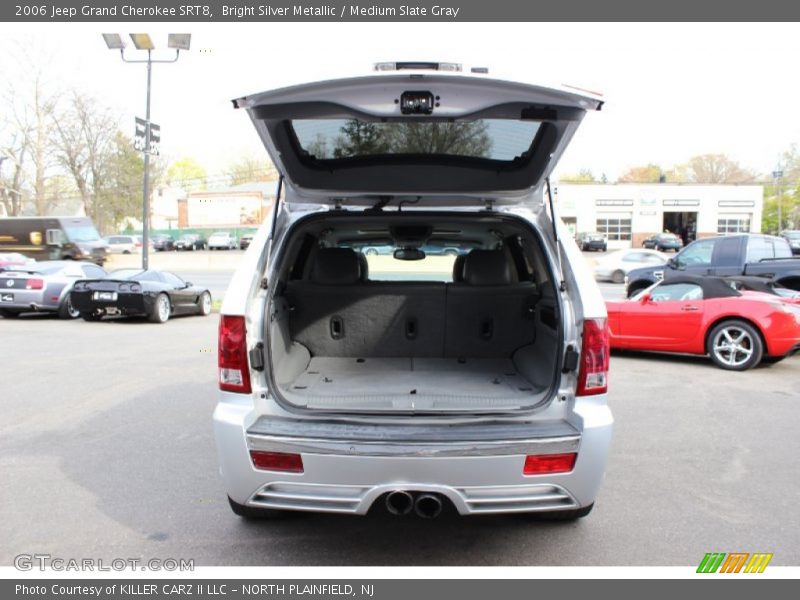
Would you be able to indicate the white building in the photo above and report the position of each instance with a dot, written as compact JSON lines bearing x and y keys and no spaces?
{"x":627,"y":213}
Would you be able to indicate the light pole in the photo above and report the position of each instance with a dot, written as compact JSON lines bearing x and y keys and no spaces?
{"x":777,"y":174}
{"x":142,"y":41}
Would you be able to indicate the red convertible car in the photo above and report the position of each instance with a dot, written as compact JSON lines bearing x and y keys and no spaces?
{"x":705,"y":315}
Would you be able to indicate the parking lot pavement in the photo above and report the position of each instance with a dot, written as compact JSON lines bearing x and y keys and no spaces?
{"x":106,"y":450}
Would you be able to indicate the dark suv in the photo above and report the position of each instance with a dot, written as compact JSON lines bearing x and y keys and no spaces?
{"x":793,"y":237}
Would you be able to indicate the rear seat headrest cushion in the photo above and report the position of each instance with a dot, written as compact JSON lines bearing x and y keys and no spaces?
{"x":363,"y":266}
{"x":458,"y":268}
{"x":336,"y":266}
{"x":487,"y":267}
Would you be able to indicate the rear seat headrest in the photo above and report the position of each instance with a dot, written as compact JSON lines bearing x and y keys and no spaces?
{"x":364,"y":266}
{"x":336,"y":266}
{"x":487,"y":267}
{"x":458,"y":269}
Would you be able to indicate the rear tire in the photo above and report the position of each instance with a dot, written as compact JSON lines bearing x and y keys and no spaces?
{"x":735,"y":345}
{"x":256,"y":514}
{"x":8,"y":314}
{"x":66,"y":310}
{"x":618,"y":276}
{"x":161,"y":309}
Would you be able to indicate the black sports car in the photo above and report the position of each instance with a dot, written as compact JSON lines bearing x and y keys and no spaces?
{"x":156,"y":295}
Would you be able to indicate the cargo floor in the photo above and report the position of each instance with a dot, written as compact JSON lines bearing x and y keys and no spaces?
{"x":412,"y":384}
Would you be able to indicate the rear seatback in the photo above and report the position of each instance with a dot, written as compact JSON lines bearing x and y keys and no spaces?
{"x":338,"y":313}
{"x":489,"y":313}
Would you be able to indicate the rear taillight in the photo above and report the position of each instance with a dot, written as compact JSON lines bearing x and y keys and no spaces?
{"x":593,"y":372}
{"x":234,"y":373}
{"x":542,"y":464}
{"x":34,"y":284}
{"x":277,"y":461}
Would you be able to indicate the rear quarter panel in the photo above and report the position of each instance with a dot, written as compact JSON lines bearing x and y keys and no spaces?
{"x":767,"y":317}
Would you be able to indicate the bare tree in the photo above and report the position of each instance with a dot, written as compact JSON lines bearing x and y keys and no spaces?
{"x":14,"y":151}
{"x":84,"y":134}
{"x":249,"y":169}
{"x":717,"y":168}
{"x":31,"y":107}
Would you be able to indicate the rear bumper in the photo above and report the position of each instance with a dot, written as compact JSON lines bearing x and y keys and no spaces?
{"x":793,"y":350}
{"x":126,"y":304}
{"x":25,"y":300}
{"x":478,"y":472}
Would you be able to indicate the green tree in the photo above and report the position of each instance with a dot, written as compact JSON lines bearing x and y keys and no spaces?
{"x":121,"y":194}
{"x":462,"y":138}
{"x":359,"y":138}
{"x":186,"y":173}
{"x":582,"y":176}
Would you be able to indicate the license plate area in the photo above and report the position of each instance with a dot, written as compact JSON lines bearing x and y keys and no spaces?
{"x":105,"y":296}
{"x":5,"y":297}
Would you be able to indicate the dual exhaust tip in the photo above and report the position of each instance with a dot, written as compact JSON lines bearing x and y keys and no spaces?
{"x":425,"y":505}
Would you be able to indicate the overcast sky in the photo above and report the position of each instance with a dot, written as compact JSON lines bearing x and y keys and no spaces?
{"x":672,"y":90}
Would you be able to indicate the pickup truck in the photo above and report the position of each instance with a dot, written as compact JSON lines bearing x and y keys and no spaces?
{"x":742,"y":254}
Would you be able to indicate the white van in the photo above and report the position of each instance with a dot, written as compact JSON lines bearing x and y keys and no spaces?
{"x":414,"y":378}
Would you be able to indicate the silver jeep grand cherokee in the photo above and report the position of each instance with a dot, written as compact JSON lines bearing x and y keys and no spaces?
{"x":462,"y":362}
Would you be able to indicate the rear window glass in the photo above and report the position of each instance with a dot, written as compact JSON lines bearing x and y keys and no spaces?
{"x":436,"y":266}
{"x":766,"y":248}
{"x":494,"y":139}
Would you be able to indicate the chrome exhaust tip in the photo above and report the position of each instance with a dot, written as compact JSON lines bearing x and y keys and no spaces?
{"x":428,"y":506}
{"x":399,"y":502}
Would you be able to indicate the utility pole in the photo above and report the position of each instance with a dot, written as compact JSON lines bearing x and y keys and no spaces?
{"x":777,"y":174}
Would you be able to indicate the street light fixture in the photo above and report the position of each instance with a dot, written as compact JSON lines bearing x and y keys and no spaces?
{"x":142,"y":41}
{"x":179,"y":41}
{"x":113,"y":41}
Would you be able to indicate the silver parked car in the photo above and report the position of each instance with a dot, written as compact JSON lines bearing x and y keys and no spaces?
{"x":43,"y":287}
{"x":409,"y":381}
{"x":222,"y":240}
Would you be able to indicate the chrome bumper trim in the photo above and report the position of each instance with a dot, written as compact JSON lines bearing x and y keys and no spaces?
{"x":299,"y":445}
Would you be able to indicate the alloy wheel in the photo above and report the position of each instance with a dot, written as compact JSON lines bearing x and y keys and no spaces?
{"x":733,"y":346}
